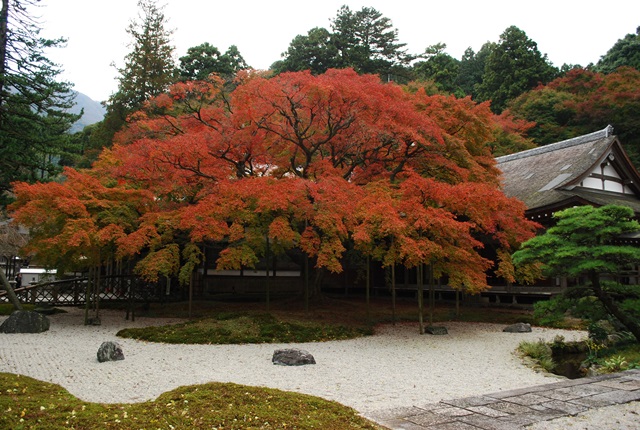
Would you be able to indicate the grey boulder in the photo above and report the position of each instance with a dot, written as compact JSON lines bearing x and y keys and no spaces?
{"x":25,"y":322}
{"x":518,"y":328}
{"x":292,"y":357}
{"x":110,"y":351}
{"x":436,"y":330}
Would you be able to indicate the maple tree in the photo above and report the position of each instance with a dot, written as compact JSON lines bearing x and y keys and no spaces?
{"x":77,"y":225}
{"x":298,"y":161}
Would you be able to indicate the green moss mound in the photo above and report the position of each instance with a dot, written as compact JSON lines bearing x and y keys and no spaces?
{"x":27,"y":403}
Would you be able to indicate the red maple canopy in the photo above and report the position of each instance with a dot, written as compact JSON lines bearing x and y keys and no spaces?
{"x":306,"y":161}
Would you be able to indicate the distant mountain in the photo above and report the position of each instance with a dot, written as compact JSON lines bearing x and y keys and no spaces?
{"x":93,"y":112}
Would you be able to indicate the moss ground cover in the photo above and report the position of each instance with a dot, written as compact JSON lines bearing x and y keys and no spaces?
{"x":238,"y":328}
{"x":26,"y":403}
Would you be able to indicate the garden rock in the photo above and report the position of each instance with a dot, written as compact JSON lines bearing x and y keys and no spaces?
{"x":292,"y":357}
{"x":436,"y":330}
{"x":518,"y":328}
{"x":25,"y":322}
{"x":110,"y":351}
{"x":46,"y":310}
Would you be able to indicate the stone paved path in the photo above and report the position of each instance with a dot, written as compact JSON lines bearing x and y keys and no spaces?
{"x":516,"y":409}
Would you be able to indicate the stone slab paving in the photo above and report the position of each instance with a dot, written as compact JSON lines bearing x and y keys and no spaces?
{"x":516,"y":409}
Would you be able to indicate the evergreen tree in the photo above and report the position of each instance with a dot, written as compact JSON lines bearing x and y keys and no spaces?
{"x":200,"y":62}
{"x":148,"y":70}
{"x":625,"y":52}
{"x":205,"y":59}
{"x":367,"y":41}
{"x":232,"y":62}
{"x":33,"y":105}
{"x":586,"y":243}
{"x":363,"y":40}
{"x":471,"y":69}
{"x":316,"y":52}
{"x":514,"y":66}
{"x":439,"y":67}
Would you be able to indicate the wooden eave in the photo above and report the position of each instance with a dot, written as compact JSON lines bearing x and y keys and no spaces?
{"x":620,"y":162}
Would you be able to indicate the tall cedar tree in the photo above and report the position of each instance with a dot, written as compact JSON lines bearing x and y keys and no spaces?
{"x":311,"y":162}
{"x":148,"y":70}
{"x":586,"y":242}
{"x":471,"y":69}
{"x":513,"y":67}
{"x":33,"y":104}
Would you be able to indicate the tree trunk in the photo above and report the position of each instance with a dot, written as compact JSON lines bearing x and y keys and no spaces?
{"x":368,"y":288}
{"x":4,"y":37}
{"x":267,"y":280}
{"x":10,"y":293}
{"x":393,"y":294}
{"x":420,"y":299}
{"x":190,"y":293}
{"x":432,"y":295}
{"x":306,"y":283}
{"x":87,"y":296}
{"x":611,"y":306}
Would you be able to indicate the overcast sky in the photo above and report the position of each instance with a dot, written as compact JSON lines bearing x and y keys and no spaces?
{"x":568,"y":31}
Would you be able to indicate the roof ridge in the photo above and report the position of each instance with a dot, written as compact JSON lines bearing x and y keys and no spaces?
{"x":596,"y":135}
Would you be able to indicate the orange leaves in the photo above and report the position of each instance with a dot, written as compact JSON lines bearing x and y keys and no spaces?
{"x":280,"y":230}
{"x":295,"y":160}
{"x":162,"y":262}
{"x":80,"y":216}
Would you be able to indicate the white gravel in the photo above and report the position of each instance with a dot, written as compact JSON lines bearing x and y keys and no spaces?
{"x":395,"y":367}
{"x":617,"y":417}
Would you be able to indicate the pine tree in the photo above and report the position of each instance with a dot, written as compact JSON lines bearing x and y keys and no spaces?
{"x":34,"y":120}
{"x":586,"y":243}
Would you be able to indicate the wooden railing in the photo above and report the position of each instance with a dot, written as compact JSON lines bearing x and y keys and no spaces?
{"x":73,"y":291}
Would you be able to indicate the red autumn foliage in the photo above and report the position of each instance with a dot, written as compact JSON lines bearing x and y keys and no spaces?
{"x":312,"y":162}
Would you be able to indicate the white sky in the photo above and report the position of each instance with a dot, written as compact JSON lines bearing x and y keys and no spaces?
{"x":568,"y":31}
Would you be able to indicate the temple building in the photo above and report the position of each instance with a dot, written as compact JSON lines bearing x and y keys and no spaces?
{"x":591,"y":170}
{"x":587,"y":170}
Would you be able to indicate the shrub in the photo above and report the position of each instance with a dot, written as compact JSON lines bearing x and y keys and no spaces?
{"x":540,"y":352}
{"x":614,"y":364}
